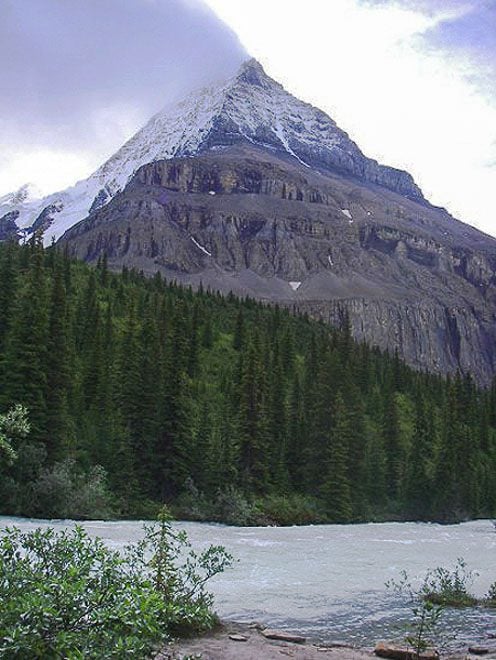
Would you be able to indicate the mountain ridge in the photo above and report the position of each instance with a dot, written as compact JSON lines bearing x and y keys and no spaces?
{"x":244,"y":188}
{"x":250,"y":107}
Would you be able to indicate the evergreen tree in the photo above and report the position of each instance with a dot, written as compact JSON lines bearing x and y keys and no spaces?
{"x":24,"y":368}
{"x":254,"y":457}
{"x":336,"y":488}
{"x":419,"y":483}
{"x":165,"y":387}
{"x":60,"y":430}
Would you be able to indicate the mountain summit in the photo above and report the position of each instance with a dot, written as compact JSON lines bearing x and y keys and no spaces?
{"x":248,"y":108}
{"x":242,"y":187}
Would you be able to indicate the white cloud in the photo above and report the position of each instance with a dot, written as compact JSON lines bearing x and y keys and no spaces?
{"x":79,"y":78}
{"x":42,"y":167}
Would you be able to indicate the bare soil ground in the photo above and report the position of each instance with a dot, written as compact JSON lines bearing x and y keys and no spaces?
{"x":218,"y":645}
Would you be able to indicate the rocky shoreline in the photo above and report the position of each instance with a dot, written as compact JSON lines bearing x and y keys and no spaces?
{"x":239,"y":641}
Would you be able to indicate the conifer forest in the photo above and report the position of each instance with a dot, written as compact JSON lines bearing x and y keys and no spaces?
{"x":140,"y":392}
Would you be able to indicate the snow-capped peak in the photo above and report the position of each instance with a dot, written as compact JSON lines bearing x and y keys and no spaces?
{"x":26,"y":193}
{"x":250,"y":107}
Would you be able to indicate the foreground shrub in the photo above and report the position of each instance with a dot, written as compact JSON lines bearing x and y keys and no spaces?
{"x":449,"y":587}
{"x":440,"y":589}
{"x":64,"y":594}
{"x":490,"y":599}
{"x":425,"y":616}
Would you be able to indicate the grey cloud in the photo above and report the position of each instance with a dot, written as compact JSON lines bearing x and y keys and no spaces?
{"x":65,"y":62}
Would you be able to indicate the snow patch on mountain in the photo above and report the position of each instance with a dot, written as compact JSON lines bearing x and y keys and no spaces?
{"x":201,"y":247}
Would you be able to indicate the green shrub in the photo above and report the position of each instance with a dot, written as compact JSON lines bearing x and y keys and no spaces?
{"x":64,"y":491}
{"x":426,"y":615}
{"x":440,"y":589}
{"x":178,"y":574}
{"x":192,"y":504}
{"x":490,"y":598}
{"x":63,"y":594}
{"x":232,"y":507}
{"x":13,"y":424}
{"x":292,"y":509}
{"x":449,"y":587}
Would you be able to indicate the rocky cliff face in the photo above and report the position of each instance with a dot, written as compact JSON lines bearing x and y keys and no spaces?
{"x":258,"y":222}
{"x":8,"y":226}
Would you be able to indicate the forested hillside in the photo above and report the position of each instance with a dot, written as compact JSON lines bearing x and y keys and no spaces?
{"x":141,"y":392}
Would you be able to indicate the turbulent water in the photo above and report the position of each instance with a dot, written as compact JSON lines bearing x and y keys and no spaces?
{"x":328,"y":581}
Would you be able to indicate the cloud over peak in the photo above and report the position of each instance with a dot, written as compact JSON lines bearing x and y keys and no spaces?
{"x":92,"y":72}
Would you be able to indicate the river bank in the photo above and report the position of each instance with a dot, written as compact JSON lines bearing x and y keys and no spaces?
{"x":237,"y":641}
{"x":328,"y":581}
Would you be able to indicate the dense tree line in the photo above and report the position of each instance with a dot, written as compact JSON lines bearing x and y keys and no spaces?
{"x":140,"y":391}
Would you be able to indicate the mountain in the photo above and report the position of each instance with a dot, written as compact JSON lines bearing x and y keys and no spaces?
{"x":244,"y":188}
{"x":251,"y":107}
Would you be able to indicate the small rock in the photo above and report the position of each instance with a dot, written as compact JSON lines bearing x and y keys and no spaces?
{"x":238,"y":638}
{"x":479,"y":650}
{"x":283,"y":636}
{"x":384,"y":650}
{"x":338,"y":644}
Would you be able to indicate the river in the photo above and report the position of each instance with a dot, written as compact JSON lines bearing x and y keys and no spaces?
{"x":328,"y":581}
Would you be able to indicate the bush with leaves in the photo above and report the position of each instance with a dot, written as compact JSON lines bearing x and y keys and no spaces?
{"x":64,"y":594}
{"x":425,"y":615}
{"x":449,"y":588}
{"x":179,"y":574}
{"x":66,"y":491}
{"x":291,"y":509}
{"x":232,"y":507}
{"x":13,"y":424}
{"x":490,"y":598}
{"x":441,"y":588}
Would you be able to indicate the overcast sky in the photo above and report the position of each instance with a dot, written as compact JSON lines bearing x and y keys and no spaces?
{"x":79,"y":77}
{"x":412,"y":81}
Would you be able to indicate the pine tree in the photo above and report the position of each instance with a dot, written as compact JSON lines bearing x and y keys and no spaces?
{"x":60,"y":435}
{"x":296,"y":437}
{"x":419,"y":483}
{"x":277,"y":427}
{"x":161,"y":385}
{"x":254,"y":456}
{"x":336,"y":488}
{"x":239,"y":331}
{"x":392,"y":442}
{"x":8,"y":279}
{"x":25,"y":365}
